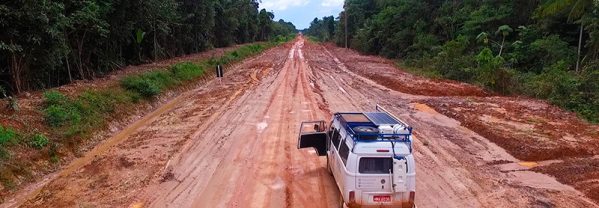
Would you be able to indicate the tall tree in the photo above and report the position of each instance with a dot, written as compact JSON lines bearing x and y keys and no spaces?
{"x":577,"y":12}
{"x":504,"y":31}
{"x":265,"y":23}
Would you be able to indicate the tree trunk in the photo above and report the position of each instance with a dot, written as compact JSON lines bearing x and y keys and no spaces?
{"x":16,"y":69}
{"x":79,"y":58}
{"x":155,"y":41}
{"x":79,"y":62}
{"x":68,"y":68}
{"x":501,"y":47}
{"x":66,"y":58}
{"x":579,"y":48}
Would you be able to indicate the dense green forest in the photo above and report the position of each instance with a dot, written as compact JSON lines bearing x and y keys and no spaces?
{"x":547,"y":49}
{"x":46,"y":43}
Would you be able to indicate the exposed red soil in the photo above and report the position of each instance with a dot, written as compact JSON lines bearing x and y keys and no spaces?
{"x":582,"y":174}
{"x":233,"y":143}
{"x":386,"y":73}
{"x":529,"y":129}
{"x":29,"y":119}
{"x":144,"y":156}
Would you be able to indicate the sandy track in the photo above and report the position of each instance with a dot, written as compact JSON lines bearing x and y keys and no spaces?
{"x":234,"y":145}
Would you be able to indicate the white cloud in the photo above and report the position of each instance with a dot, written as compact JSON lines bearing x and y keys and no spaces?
{"x":332,"y":3}
{"x":281,"y":5}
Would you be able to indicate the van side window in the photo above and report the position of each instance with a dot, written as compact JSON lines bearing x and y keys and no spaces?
{"x":335,"y":138}
{"x":344,"y":152}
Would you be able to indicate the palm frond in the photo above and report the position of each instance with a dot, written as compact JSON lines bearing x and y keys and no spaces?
{"x":579,"y":9}
{"x":554,"y":7}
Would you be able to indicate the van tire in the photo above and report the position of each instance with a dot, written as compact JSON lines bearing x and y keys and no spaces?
{"x":341,"y":202}
{"x":329,"y":166}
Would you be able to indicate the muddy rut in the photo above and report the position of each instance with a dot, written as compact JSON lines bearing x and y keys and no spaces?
{"x":232,"y":143}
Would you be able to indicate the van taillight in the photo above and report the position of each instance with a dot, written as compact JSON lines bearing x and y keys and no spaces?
{"x":352,"y":196}
{"x":412,"y":197}
{"x":382,"y":150}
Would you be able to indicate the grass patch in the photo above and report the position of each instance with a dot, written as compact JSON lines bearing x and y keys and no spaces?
{"x":151,"y":84}
{"x":186,"y":71}
{"x":314,"y":39}
{"x":80,"y":115}
{"x":7,"y":136}
{"x":39,"y":141}
{"x":242,"y":53}
{"x":420,"y":71}
{"x":10,"y":167}
{"x":77,"y":116}
{"x":283,"y":39}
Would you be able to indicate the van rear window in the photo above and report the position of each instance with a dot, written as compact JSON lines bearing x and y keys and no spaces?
{"x":375,"y":165}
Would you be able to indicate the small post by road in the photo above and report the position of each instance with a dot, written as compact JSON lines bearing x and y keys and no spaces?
{"x":219,"y":73}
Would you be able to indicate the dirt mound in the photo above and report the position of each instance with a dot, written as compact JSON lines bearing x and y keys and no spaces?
{"x":582,"y":174}
{"x":386,"y":73}
{"x":528,"y":129}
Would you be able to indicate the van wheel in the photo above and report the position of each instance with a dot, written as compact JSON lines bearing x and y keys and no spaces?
{"x":329,"y":166}
{"x":341,"y":202}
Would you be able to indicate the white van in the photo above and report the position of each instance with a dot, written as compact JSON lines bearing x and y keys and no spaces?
{"x":370,"y":156}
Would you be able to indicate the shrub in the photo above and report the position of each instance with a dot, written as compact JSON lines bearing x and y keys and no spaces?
{"x":286,"y":38}
{"x":551,"y":49}
{"x":589,"y":87}
{"x":4,"y":154}
{"x":58,"y":115}
{"x":7,"y":135}
{"x":83,"y":112}
{"x":144,"y":86}
{"x":453,"y":62}
{"x":490,"y":72}
{"x":235,"y":54}
{"x":545,"y":84}
{"x":186,"y":71}
{"x":59,"y":109}
{"x":54,"y":97}
{"x":53,"y":153}
{"x":39,"y":141}
{"x":241,"y":53}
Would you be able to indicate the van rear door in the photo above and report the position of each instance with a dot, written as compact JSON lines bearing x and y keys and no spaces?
{"x":313,"y":134}
{"x":374,"y":179}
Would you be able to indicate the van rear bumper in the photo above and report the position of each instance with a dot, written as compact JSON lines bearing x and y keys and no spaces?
{"x":398,"y":199}
{"x":403,"y":204}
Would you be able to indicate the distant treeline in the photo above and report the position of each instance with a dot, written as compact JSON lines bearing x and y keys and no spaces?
{"x":46,"y":43}
{"x":542,"y":48}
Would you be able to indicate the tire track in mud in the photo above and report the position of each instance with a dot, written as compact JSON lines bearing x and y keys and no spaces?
{"x":233,"y":145}
{"x":231,"y":120}
{"x":451,"y":159}
{"x":308,"y":94}
{"x":269,"y":179}
{"x":159,"y":134}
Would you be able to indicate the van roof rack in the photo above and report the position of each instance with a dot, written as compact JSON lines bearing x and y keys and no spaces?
{"x":350,"y":120}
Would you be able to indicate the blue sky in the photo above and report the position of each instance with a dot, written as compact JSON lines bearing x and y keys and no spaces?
{"x":302,"y":12}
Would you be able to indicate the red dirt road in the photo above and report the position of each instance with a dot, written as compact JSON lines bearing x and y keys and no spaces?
{"x":233,"y":144}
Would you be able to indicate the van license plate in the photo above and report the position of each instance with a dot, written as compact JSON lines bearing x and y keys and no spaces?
{"x":383,"y":198}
